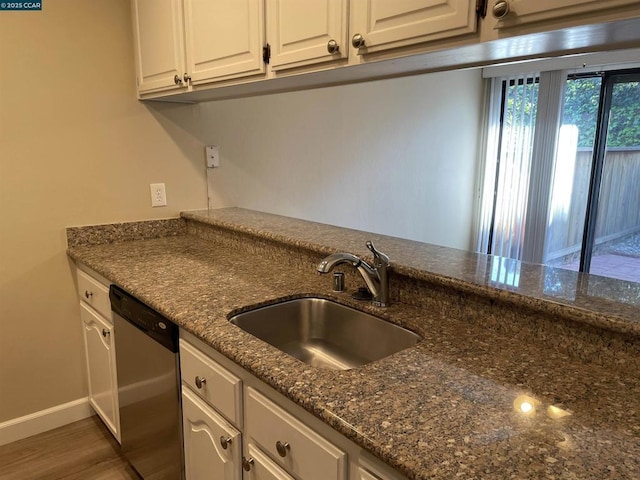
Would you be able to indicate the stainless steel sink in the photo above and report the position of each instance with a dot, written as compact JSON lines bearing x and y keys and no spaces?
{"x":325,"y":334}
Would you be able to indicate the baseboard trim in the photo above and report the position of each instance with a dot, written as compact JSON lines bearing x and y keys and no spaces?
{"x":44,"y":420}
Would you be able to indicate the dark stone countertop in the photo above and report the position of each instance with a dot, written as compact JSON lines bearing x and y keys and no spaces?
{"x":442,"y":409}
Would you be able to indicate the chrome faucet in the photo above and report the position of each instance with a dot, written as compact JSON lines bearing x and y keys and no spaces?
{"x":375,"y":277}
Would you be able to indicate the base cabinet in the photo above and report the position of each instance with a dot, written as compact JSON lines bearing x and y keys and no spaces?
{"x":366,"y":475}
{"x":212,"y":447}
{"x":98,"y":333}
{"x":260,"y":467}
{"x":293,"y":445}
{"x":262,"y":435}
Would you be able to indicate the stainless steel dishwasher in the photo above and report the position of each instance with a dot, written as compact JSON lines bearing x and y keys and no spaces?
{"x":148,"y":388}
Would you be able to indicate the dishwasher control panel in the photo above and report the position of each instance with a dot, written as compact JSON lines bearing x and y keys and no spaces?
{"x":144,"y":318}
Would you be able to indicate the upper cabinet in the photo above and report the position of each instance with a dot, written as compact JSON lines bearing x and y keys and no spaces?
{"x":510,"y":13}
{"x":224,"y":39}
{"x":180,"y":43}
{"x":159,"y":44}
{"x":200,"y":50}
{"x":381,"y":24}
{"x":306,"y":32}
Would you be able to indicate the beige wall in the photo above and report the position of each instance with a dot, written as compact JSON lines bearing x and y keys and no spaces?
{"x":395,"y":157}
{"x":76,"y":148}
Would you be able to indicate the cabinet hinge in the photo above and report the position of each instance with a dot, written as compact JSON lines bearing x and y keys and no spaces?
{"x":266,"y":53}
{"x":481,"y":8}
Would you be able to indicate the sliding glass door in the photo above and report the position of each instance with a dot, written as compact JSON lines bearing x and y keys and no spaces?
{"x":594,"y":222}
{"x":568,"y":194}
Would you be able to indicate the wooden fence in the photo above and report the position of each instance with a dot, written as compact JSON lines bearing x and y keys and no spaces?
{"x":619,"y":202}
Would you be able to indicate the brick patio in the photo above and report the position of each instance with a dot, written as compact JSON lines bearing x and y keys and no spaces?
{"x":611,"y":265}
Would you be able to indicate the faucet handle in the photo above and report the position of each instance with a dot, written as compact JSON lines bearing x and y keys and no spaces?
{"x":379,"y":258}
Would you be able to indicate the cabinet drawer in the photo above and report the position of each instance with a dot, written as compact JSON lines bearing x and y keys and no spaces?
{"x":301,"y":451}
{"x":218,"y":386}
{"x":366,"y":475}
{"x":262,"y":468}
{"x":94,"y":293}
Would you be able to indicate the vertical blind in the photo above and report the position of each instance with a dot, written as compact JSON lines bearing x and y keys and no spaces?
{"x":510,"y":143}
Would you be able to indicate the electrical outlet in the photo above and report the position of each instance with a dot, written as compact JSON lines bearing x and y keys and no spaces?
{"x":213,"y":156}
{"x":158,"y":195}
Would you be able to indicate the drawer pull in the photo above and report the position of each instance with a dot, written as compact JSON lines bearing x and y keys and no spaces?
{"x":282,"y":448}
{"x":88,"y":294}
{"x":225,"y":442}
{"x":105,"y":333}
{"x":247,"y":463}
{"x":200,"y":381}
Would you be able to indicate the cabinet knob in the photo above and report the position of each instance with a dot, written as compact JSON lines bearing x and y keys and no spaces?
{"x":247,"y":463}
{"x":105,"y":333}
{"x":357,"y":41}
{"x":200,"y":381}
{"x":186,"y":77}
{"x":225,"y":442}
{"x":88,"y":294}
{"x":177,"y":80}
{"x":282,"y":448}
{"x":333,"y":47}
{"x":501,"y":9}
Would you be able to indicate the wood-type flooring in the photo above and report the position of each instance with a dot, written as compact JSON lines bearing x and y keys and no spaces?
{"x":81,"y":450}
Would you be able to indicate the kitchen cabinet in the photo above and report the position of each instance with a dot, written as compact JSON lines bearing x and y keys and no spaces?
{"x":196,"y":50}
{"x":510,"y":13}
{"x":224,"y":39}
{"x":158,"y":32}
{"x":211,"y":409}
{"x":212,"y":447}
{"x":295,"y":447}
{"x":382,"y":25}
{"x":213,"y":383}
{"x":180,"y":43}
{"x":267,"y":436}
{"x":365,"y":475}
{"x":98,"y":333}
{"x":307,"y":32}
{"x":259,"y":466}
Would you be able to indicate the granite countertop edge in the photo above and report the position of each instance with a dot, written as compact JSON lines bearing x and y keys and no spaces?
{"x":612,"y":319}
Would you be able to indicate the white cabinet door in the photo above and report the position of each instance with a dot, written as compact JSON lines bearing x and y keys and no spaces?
{"x":206,"y":434}
{"x":304,"y":32}
{"x":159,"y":44}
{"x":527,"y":11}
{"x":224,"y":38}
{"x":294,"y":446}
{"x":388,"y":24}
{"x":100,"y":356}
